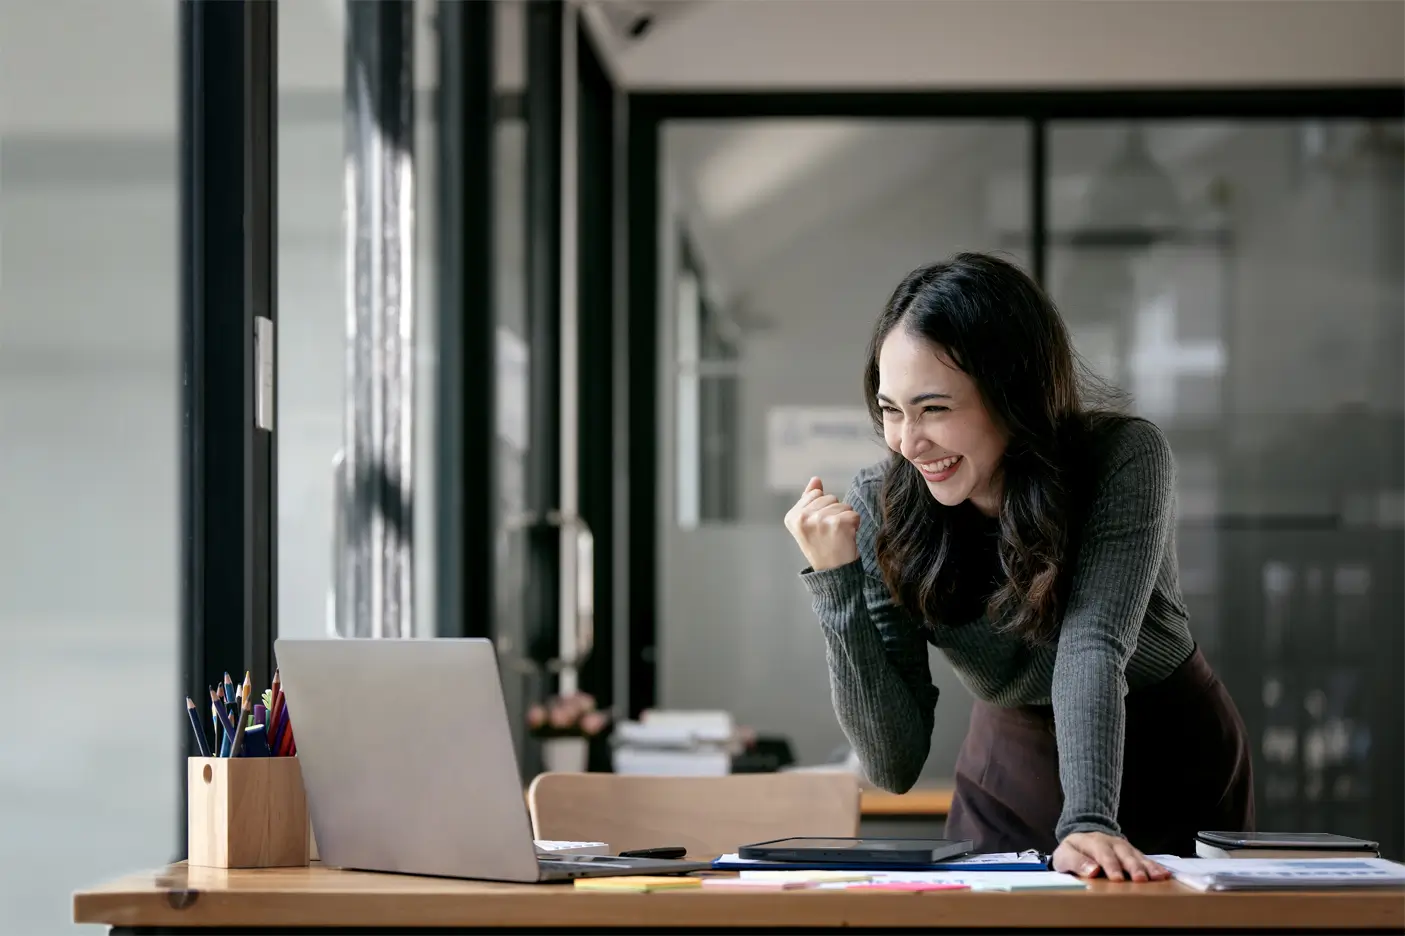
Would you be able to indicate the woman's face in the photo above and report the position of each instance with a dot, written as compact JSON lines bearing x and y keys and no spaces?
{"x":933,"y":416}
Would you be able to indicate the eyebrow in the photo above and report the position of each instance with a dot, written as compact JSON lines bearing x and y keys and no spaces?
{"x":920,"y":398}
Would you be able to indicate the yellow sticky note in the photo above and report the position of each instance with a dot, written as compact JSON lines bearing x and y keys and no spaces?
{"x":637,"y":882}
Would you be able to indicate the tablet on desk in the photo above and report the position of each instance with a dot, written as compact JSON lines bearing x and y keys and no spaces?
{"x":889,"y":851}
{"x":1282,"y":845}
{"x":1304,"y":840}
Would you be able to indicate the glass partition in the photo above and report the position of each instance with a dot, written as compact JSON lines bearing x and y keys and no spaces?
{"x":788,"y":236}
{"x":1241,"y":280}
{"x":1246,"y":282}
{"x":312,"y":301}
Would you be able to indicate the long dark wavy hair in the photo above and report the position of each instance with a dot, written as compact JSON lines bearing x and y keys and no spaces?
{"x":999,"y":327}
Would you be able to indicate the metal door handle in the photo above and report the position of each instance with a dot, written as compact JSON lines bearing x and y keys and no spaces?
{"x":584,"y":618}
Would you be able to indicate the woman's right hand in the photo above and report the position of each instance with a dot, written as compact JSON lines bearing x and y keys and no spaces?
{"x":826,"y":528}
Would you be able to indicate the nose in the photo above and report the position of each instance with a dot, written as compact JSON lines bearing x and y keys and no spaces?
{"x":914,"y":444}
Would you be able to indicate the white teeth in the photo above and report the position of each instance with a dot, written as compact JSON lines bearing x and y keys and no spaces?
{"x":937,"y":467}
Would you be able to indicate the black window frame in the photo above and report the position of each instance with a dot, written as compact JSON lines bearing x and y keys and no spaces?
{"x":228,"y":148}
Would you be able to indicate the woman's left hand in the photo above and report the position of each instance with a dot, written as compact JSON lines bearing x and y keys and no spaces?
{"x":1087,"y":853}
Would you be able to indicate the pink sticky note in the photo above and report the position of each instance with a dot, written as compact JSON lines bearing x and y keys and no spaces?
{"x":908,"y":886}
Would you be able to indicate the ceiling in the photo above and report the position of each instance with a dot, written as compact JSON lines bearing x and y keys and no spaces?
{"x":875,"y":44}
{"x":117,"y":73}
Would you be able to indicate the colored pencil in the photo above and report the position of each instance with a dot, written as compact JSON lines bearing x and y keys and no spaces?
{"x":228,"y":697}
{"x":275,"y":740}
{"x":287,"y":745}
{"x":238,"y":741}
{"x":276,"y":714}
{"x":275,"y":692}
{"x":217,"y":714}
{"x":200,"y":741}
{"x":219,"y":711}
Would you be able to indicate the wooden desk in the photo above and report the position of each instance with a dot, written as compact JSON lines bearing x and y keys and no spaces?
{"x":178,"y":899}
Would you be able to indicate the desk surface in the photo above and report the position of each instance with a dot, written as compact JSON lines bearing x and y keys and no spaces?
{"x":199,"y":897}
{"x":922,"y":801}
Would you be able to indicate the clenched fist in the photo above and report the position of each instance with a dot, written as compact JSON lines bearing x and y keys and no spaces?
{"x":826,"y":528}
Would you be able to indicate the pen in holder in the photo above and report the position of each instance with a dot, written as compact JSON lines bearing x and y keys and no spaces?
{"x":246,"y":812}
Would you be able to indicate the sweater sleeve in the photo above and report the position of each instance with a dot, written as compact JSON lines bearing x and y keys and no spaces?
{"x":880,"y":679}
{"x":1119,"y":558}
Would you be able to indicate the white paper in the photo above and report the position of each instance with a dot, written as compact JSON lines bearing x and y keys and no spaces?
{"x":550,"y":847}
{"x":1001,"y":858}
{"x":1245,"y":873}
{"x":979,"y":880}
{"x":829,"y":442}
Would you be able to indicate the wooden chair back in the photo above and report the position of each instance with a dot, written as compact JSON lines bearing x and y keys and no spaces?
{"x":709,"y":816}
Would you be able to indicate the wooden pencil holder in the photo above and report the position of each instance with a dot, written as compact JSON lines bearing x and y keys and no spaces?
{"x":246,"y":812}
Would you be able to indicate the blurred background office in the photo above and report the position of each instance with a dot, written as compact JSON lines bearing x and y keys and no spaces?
{"x":691,"y":212}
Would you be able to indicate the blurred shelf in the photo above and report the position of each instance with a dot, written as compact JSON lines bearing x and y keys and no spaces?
{"x":920,"y":801}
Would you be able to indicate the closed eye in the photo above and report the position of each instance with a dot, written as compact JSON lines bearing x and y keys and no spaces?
{"x":894,"y":411}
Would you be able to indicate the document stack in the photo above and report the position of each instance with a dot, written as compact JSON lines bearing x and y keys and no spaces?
{"x":676,"y":744}
{"x":1228,"y":874}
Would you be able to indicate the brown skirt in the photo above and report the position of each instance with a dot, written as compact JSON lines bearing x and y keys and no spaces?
{"x":1185,"y":769}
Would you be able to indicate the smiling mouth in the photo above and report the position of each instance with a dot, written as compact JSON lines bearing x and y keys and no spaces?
{"x":941,"y":469}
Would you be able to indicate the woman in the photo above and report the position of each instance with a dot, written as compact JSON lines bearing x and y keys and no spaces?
{"x":1031,"y":537}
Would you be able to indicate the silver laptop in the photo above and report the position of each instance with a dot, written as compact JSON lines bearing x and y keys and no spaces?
{"x":409,"y":766}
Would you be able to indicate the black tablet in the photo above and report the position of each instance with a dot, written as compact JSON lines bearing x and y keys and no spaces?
{"x":1304,"y":840}
{"x":891,"y":851}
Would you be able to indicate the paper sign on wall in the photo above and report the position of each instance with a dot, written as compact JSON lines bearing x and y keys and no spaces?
{"x":831,"y":442}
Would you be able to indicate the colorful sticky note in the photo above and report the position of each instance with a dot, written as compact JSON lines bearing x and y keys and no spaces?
{"x":914,"y":886}
{"x":637,"y":882}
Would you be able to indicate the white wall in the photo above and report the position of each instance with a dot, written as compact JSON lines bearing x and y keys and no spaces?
{"x":88,"y":560}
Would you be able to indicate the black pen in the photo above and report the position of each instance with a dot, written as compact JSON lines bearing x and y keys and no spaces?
{"x":663,"y":851}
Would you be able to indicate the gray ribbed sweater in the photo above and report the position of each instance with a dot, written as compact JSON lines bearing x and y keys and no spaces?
{"x":1124,"y":627}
